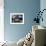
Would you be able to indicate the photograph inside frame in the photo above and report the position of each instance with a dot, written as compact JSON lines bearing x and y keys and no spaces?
{"x":17,"y":18}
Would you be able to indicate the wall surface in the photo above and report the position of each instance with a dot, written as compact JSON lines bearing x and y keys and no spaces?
{"x":43,"y":6}
{"x":1,"y":21}
{"x":29,"y":8}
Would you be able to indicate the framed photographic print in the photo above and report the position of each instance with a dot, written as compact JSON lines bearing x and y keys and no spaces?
{"x":16,"y":18}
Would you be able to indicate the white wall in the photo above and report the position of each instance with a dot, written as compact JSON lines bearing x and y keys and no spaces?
{"x":43,"y":6}
{"x":1,"y":21}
